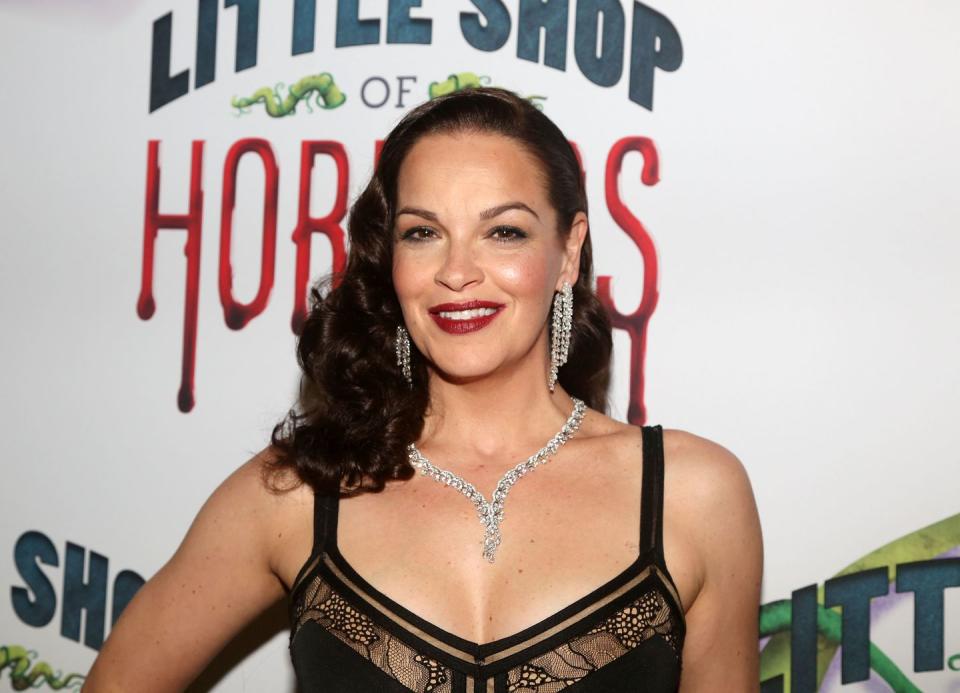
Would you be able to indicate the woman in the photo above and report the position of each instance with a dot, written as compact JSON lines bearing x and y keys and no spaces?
{"x":464,"y":340}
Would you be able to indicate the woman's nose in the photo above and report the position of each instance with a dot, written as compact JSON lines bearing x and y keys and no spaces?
{"x":459,"y":267}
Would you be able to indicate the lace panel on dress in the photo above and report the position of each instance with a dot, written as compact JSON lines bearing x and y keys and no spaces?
{"x":321,"y":603}
{"x":647,"y":616}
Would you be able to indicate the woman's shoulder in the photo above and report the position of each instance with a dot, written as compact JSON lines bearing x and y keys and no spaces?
{"x":712,"y":533}
{"x":262,"y":496}
{"x":693,"y":459}
{"x":704,"y":465}
{"x":262,"y":479}
{"x":220,"y":578}
{"x":711,"y":515}
{"x":709,"y":501}
{"x":703,"y":479}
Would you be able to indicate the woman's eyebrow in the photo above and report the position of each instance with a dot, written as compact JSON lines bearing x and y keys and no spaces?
{"x":485,"y":214}
{"x":416,"y":211}
{"x":500,"y":209}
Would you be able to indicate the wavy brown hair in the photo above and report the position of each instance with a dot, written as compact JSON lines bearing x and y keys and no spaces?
{"x":356,"y":414}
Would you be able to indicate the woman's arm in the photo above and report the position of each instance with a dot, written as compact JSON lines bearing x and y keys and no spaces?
{"x":721,"y":522}
{"x":218,"y":580}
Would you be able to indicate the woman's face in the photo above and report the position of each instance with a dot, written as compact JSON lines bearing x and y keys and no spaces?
{"x":477,"y":254}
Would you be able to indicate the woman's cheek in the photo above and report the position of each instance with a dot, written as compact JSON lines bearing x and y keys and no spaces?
{"x":527,"y":276}
{"x":408,"y":273}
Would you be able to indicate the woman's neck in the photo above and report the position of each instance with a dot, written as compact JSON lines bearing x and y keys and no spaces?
{"x":492,"y":417}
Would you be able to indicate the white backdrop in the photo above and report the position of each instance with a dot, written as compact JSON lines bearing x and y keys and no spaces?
{"x":806,"y":226}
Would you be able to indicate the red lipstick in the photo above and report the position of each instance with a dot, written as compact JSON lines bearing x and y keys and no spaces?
{"x":462,"y":326}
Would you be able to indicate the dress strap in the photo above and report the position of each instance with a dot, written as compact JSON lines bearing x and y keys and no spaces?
{"x":325,"y":510}
{"x":651,"y":495}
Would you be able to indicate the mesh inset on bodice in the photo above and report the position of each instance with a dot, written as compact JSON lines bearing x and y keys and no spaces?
{"x":646,"y":616}
{"x":321,"y":603}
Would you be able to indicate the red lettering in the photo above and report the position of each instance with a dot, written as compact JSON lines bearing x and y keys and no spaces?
{"x":328,"y":225}
{"x":635,"y":324}
{"x":192,"y":223}
{"x":237,"y":314}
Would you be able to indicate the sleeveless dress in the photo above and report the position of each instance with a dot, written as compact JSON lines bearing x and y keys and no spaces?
{"x":625,"y":635}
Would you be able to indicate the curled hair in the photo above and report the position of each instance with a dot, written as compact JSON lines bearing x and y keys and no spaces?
{"x":357,"y":414}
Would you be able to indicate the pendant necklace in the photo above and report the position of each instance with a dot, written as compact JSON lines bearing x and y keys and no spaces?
{"x":491,"y":513}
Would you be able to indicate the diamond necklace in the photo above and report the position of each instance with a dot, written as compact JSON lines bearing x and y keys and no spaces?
{"x":491,"y":514}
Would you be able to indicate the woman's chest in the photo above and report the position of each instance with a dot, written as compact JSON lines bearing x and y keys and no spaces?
{"x":562,"y":538}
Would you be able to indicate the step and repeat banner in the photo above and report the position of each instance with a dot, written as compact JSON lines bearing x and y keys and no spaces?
{"x":776,"y":223}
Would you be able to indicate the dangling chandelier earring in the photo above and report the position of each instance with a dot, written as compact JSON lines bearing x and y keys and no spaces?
{"x":560,"y":335}
{"x":402,"y":345}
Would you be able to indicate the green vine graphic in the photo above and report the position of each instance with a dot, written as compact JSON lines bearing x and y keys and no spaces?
{"x":462,"y":80}
{"x":19,"y":659}
{"x":327,"y":96}
{"x":775,"y":617}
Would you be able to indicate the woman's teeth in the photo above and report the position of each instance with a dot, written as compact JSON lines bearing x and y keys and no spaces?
{"x":467,"y":314}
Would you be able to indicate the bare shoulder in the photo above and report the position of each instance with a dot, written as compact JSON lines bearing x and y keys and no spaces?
{"x":218,"y":580}
{"x":272,"y":497}
{"x":710,"y":498}
{"x":269,"y":479}
{"x":705,"y":469}
{"x":256,"y":512}
{"x":703,"y":480}
{"x":710,"y":507}
{"x":697,"y":466}
{"x":710,"y":504}
{"x":713,"y":547}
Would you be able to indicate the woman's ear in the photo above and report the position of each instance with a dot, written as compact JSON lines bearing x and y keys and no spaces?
{"x":572,"y":246}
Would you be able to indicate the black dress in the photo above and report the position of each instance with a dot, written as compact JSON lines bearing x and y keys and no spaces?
{"x":625,"y":635}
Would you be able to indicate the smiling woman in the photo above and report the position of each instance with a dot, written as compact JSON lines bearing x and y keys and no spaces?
{"x":503,"y":263}
{"x":464,"y":341}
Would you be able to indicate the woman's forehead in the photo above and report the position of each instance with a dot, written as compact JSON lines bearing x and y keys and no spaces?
{"x":489,"y":165}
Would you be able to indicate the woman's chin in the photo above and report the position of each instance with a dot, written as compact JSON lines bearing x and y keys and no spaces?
{"x":462,"y":377}
{"x":466,"y":374}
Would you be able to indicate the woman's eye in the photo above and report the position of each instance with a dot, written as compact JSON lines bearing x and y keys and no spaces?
{"x":417,"y":233}
{"x":507,"y":233}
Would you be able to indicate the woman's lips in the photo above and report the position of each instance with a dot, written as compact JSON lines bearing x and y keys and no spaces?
{"x":460,"y":318}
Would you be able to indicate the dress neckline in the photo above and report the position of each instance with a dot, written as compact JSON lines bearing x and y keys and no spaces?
{"x":592,"y":598}
{"x":647,"y":563}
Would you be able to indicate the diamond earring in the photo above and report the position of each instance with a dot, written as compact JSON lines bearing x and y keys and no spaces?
{"x":562,"y":327}
{"x":402,"y":345}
